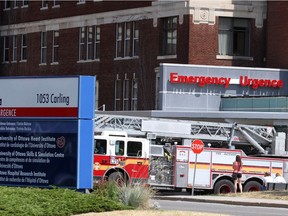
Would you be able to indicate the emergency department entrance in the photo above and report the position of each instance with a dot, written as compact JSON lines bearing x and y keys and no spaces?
{"x":200,"y":87}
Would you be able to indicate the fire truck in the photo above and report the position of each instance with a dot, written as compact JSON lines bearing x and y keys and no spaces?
{"x":157,"y":152}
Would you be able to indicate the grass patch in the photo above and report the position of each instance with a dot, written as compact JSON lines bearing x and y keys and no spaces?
{"x":276,"y":195}
{"x":55,"y":202}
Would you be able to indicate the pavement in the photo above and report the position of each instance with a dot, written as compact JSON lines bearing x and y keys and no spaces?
{"x":226,"y":200}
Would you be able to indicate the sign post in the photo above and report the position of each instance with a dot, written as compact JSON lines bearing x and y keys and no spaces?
{"x":197,"y":147}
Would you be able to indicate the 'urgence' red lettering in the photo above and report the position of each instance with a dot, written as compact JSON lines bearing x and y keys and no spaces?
{"x":256,"y":83}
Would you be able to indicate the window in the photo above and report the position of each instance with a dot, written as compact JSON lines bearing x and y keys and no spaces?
{"x":89,"y":43}
{"x":96,"y":42}
{"x":234,"y":37}
{"x":134,"y":93}
{"x":100,"y":146}
{"x":44,"y":4}
{"x":6,"y":49}
{"x":134,"y":149}
{"x":15,"y":48}
{"x":24,"y":47}
{"x":43,"y":47}
{"x":56,"y":3}
{"x":55,"y":46}
{"x":7,"y":4}
{"x":82,"y":44}
{"x":25,"y":2}
{"x":169,"y":41}
{"x":135,"y":39}
{"x":125,"y":94}
{"x":15,"y":3}
{"x":118,"y":91}
{"x":119,"y":41}
{"x":89,"y":48}
{"x":127,"y":39}
{"x":119,"y":147}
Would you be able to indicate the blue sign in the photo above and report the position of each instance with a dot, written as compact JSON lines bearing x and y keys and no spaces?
{"x":46,"y":151}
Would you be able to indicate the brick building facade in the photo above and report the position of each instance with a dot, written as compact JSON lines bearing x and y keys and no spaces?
{"x":277,"y":36}
{"x":123,"y":43}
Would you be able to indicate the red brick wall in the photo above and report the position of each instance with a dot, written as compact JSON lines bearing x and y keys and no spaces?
{"x":203,"y":46}
{"x":277,"y":34}
{"x":196,"y":44}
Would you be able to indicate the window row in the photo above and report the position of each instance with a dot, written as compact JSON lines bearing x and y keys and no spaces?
{"x":8,"y":4}
{"x":126,"y":93}
{"x":44,"y":47}
{"x":118,"y":148}
{"x":15,"y":4}
{"x":233,"y":40}
{"x":127,"y":39}
{"x":19,"y":46}
{"x":89,"y":43}
{"x":17,"y":41}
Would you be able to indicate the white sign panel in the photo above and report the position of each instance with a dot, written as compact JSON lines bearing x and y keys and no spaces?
{"x":21,"y":97}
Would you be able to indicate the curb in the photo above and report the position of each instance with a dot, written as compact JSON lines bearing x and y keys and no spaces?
{"x":229,"y":202}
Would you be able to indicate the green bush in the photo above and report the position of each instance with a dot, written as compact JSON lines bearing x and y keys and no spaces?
{"x":57,"y":202}
{"x":107,"y":196}
{"x":107,"y":189}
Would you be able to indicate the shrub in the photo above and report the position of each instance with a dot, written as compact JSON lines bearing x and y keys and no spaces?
{"x":136,"y":196}
{"x":35,"y":201}
{"x":107,"y":189}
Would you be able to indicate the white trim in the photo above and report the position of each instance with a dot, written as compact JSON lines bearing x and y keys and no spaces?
{"x":226,"y":57}
{"x":166,"y":57}
{"x":88,"y":61}
{"x":126,"y":58}
{"x":81,"y":2}
{"x":56,"y":6}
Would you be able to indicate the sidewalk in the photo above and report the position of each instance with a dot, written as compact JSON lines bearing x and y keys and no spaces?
{"x":227,"y":200}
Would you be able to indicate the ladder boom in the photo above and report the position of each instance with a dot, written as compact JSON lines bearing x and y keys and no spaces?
{"x":141,"y":126}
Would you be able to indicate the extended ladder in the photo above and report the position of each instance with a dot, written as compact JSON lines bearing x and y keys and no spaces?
{"x":210,"y":131}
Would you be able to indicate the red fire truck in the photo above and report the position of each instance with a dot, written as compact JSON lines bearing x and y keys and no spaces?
{"x":164,"y":162}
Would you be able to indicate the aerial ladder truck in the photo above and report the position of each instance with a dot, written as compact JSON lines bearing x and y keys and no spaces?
{"x":157,"y":152}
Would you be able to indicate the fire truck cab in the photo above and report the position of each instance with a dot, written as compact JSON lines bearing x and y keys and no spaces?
{"x":122,"y":158}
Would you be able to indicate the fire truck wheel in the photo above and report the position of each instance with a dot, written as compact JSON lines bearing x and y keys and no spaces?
{"x":116,"y":177}
{"x":223,"y":186}
{"x":252,"y":186}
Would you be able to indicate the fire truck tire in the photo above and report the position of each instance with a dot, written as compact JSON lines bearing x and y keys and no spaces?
{"x":223,"y":186}
{"x":116,"y":177}
{"x":252,"y":186}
